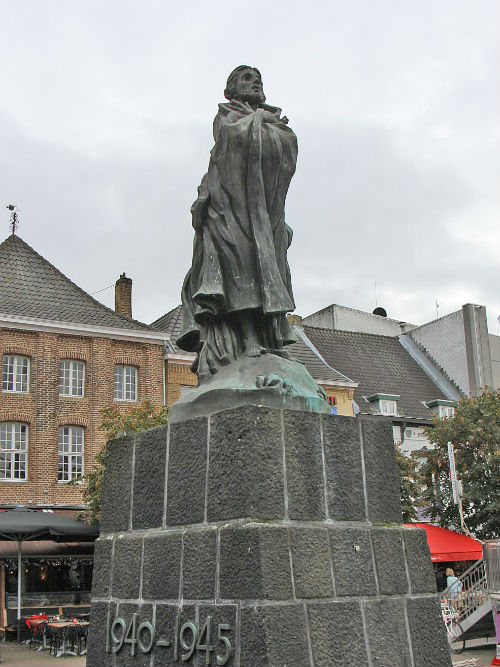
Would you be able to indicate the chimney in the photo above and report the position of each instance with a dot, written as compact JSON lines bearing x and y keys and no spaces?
{"x":123,"y":296}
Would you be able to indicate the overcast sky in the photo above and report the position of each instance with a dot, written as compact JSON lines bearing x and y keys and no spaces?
{"x":106,"y":113}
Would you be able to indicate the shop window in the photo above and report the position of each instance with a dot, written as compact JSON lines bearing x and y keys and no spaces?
{"x":13,"y":451}
{"x":15,"y":374}
{"x":70,"y":461}
{"x":125,"y":383}
{"x":71,"y":378}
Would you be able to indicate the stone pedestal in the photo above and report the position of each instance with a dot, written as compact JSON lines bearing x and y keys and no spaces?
{"x":260,"y":537}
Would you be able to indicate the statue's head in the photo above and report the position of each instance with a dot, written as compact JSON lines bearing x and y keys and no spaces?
{"x":245,"y":84}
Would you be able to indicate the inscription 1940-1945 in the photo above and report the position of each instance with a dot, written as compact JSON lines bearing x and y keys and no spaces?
{"x":187,"y":639}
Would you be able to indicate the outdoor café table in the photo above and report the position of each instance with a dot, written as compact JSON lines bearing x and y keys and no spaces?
{"x":38,"y":627}
{"x":66,"y":633}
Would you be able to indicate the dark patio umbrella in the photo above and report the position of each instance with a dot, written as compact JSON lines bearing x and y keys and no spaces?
{"x":22,"y":524}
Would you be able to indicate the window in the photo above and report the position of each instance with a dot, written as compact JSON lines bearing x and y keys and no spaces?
{"x":70,"y":462}
{"x":446,"y":411}
{"x":125,"y":383}
{"x":15,"y":374}
{"x":13,"y":450}
{"x":71,"y":378}
{"x":388,"y":407}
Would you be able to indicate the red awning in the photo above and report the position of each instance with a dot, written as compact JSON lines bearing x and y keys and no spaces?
{"x":447,"y":545}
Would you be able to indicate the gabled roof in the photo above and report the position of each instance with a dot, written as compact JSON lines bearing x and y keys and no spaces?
{"x":303,"y":349}
{"x":380,"y":364}
{"x":30,"y":286}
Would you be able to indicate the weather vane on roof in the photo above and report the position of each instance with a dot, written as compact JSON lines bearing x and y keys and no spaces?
{"x":14,"y":222}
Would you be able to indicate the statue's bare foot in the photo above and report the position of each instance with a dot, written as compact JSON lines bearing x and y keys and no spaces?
{"x":255,"y":351}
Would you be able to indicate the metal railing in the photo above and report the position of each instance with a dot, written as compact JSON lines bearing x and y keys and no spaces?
{"x":474,"y":593}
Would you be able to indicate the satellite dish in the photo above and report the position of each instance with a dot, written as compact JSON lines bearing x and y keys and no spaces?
{"x":380,"y":311}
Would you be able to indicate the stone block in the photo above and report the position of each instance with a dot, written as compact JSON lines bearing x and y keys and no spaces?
{"x":117,"y":487}
{"x":418,"y":556}
{"x":198,"y":569}
{"x":101,"y":576}
{"x":387,"y":633}
{"x":311,"y":562}
{"x":124,"y":657}
{"x":381,"y":473}
{"x":390,"y":560}
{"x":274,"y":635}
{"x":352,"y":561}
{"x":166,"y":616}
{"x":254,"y":563}
{"x":225,"y":614}
{"x":187,"y":466}
{"x":149,"y":478}
{"x":127,"y":567}
{"x":96,"y":645}
{"x":344,"y":475}
{"x":337,"y":637}
{"x":304,"y":466}
{"x":246,"y":465}
{"x":428,"y":634}
{"x":161,"y":569}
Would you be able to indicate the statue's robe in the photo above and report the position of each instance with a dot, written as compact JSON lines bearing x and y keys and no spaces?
{"x":239,"y":262}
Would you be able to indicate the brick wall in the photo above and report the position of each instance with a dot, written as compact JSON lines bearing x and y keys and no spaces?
{"x":45,"y":411}
{"x":178,"y":375}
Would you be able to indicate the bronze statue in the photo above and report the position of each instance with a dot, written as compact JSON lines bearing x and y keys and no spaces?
{"x":238,"y":291}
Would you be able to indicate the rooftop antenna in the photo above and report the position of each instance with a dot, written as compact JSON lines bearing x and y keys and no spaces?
{"x":437,"y":309}
{"x":376,"y":298}
{"x":14,"y":221}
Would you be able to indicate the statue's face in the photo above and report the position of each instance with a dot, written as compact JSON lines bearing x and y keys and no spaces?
{"x":249,"y":87}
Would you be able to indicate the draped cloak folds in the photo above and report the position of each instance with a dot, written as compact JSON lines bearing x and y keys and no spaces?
{"x":239,"y":252}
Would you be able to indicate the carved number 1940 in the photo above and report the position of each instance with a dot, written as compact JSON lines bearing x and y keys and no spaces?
{"x":187,"y":638}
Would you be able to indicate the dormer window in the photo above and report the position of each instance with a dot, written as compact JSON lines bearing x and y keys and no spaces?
{"x":385,"y":404}
{"x":442,"y":408}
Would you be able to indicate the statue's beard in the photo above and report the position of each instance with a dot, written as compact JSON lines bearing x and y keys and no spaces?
{"x":252,"y":97}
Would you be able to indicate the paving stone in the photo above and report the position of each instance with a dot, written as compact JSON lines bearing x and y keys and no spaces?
{"x":127,"y":567}
{"x":304,"y":465}
{"x":352,"y":566}
{"x":254,"y":563}
{"x":96,"y":643}
{"x":124,"y":657}
{"x":311,"y":562}
{"x":101,"y":577}
{"x":344,"y":476}
{"x":274,"y":636}
{"x":224,"y":614}
{"x":382,"y":480}
{"x":187,"y":464}
{"x":161,"y":570}
{"x":246,"y":465}
{"x":337,"y":637}
{"x":149,"y":478}
{"x":428,"y":634}
{"x":116,"y":494}
{"x":418,"y":556}
{"x":198,"y":570}
{"x":390,"y":560}
{"x":387,"y":633}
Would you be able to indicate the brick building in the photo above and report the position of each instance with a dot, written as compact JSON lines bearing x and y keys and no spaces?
{"x":64,"y":357}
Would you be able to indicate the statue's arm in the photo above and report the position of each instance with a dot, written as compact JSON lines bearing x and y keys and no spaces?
{"x":200,"y":206}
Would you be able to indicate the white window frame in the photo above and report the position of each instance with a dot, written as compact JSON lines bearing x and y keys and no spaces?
{"x":446,"y":411}
{"x":70,"y":449}
{"x":9,"y":449}
{"x":17,"y":364}
{"x":385,"y":404}
{"x":121,"y":392}
{"x":69,"y":379}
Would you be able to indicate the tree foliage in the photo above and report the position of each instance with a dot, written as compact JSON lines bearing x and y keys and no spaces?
{"x":116,"y":424}
{"x":410,"y":485}
{"x":474,"y":431}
